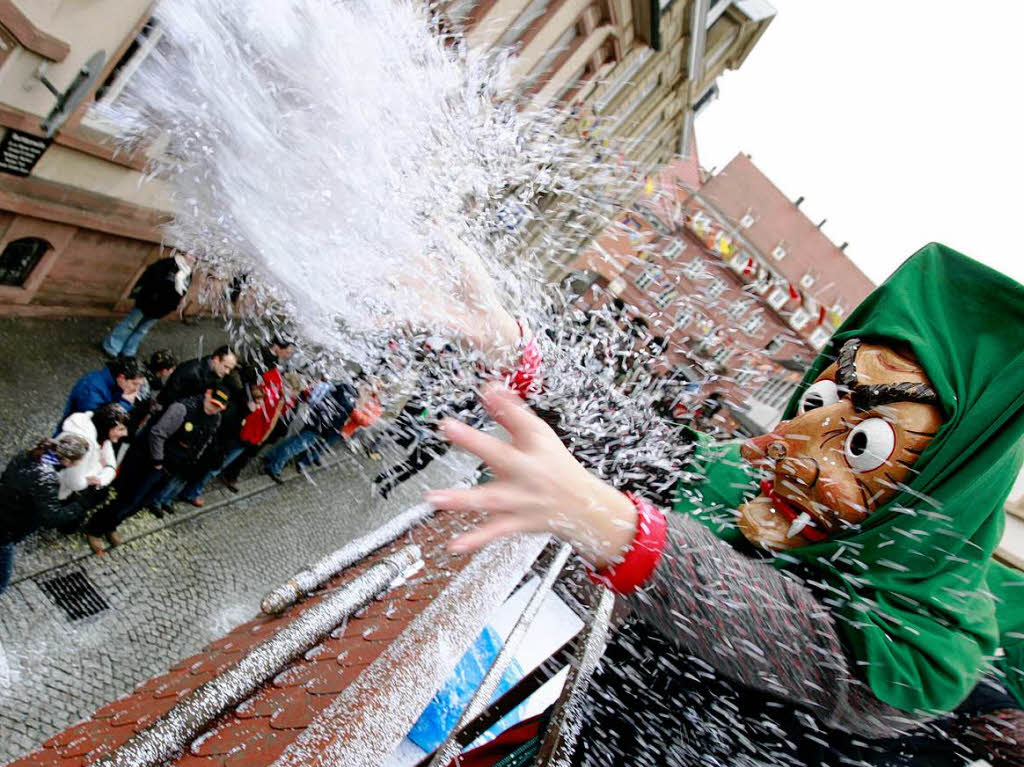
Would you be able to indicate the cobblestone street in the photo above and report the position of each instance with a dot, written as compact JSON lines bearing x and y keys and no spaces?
{"x":177,"y":583}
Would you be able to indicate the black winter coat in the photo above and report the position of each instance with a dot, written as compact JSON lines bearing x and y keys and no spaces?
{"x":28,"y":499}
{"x":188,"y":379}
{"x":330,"y":414}
{"x":155,"y":294}
{"x":183,"y":435}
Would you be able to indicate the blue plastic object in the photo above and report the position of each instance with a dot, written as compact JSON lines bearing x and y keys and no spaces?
{"x":443,"y":712}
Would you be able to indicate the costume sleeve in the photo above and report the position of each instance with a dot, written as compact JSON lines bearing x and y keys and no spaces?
{"x":756,"y":626}
{"x":525,"y":379}
{"x":164,"y":428}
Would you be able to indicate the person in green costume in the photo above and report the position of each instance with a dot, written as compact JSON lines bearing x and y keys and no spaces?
{"x":880,"y":497}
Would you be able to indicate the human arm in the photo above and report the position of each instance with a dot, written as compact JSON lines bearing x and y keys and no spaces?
{"x":169,"y":423}
{"x":759,"y":627}
{"x":108,"y":465}
{"x":50,"y":510}
{"x":741,"y":616}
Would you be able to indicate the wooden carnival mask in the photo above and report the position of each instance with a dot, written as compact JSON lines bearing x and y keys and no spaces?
{"x":859,"y":429}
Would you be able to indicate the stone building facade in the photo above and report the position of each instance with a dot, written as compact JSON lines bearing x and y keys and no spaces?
{"x":78,"y":223}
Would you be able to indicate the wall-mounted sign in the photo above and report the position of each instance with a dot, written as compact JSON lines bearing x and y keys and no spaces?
{"x":19,"y":152}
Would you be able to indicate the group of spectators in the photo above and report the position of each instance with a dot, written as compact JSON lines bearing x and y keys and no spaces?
{"x":137,"y":436}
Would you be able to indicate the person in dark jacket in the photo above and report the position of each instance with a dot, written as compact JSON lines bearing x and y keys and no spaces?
{"x":29,"y":489}
{"x":174,"y":449}
{"x":330,"y":406}
{"x":160,"y":290}
{"x":159,"y":368}
{"x":196,"y":376}
{"x":120,"y":382}
{"x":246,"y":394}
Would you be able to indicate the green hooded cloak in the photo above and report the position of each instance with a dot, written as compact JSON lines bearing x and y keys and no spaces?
{"x":921,"y":604}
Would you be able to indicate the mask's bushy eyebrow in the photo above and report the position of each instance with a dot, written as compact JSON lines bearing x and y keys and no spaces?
{"x":876,"y":395}
{"x":868,"y":397}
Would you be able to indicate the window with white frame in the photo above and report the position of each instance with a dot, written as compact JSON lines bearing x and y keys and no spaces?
{"x":738,"y":308}
{"x":684,"y":318}
{"x":775,"y":345}
{"x":694,"y":270}
{"x":654,"y":220}
{"x":779,"y":252}
{"x":722,"y":355}
{"x":807,"y":281}
{"x":819,"y":338}
{"x":666,"y":298}
{"x":778,"y":298}
{"x":701,"y":221}
{"x":753,"y":324}
{"x":745,"y":376}
{"x":650,"y":274}
{"x":763,"y":283}
{"x":747,"y":221}
{"x":716,"y":287}
{"x":673,"y":249}
{"x":799,"y":318}
{"x":143,"y":45}
{"x":838,"y":311}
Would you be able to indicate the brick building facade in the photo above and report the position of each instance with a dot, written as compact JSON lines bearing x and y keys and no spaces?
{"x":729,"y":275}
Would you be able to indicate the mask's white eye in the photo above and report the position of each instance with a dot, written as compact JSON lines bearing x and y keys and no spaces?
{"x":819,"y":394}
{"x":870,"y":444}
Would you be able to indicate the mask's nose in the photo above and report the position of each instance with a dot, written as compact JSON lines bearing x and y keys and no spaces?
{"x":770,"y":445}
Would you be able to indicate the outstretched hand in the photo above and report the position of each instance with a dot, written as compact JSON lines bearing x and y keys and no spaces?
{"x":538,"y":487}
{"x":465,"y":303}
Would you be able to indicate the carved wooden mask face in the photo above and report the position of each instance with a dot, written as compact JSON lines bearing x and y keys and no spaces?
{"x":858,"y":431}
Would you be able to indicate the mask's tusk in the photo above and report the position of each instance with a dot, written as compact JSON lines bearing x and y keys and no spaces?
{"x":798,"y":525}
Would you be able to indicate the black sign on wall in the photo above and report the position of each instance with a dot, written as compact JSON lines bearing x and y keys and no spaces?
{"x":19,"y":152}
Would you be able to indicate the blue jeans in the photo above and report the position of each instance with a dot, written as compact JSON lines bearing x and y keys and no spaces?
{"x":168,"y":494}
{"x":286,"y":449}
{"x":125,"y":337}
{"x":195,"y":488}
{"x":6,"y":565}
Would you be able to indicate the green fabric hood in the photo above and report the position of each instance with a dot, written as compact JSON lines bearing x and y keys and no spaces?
{"x":915,"y":590}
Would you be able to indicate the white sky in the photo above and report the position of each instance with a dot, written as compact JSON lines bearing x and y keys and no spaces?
{"x":900,"y":121}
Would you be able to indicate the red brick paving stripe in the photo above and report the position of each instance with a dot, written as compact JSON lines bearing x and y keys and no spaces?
{"x":47,"y":758}
{"x":265,"y":703}
{"x":88,"y":736}
{"x":231,"y":734}
{"x":182,"y":685}
{"x":142,"y":708}
{"x":263,"y":752}
{"x":300,"y":710}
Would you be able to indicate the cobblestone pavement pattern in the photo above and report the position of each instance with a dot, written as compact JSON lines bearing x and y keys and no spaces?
{"x":176,"y":584}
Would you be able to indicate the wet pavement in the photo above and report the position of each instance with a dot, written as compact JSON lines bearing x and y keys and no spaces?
{"x":177,"y":583}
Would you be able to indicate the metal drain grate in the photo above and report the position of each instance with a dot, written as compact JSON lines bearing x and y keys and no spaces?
{"x":73,"y":593}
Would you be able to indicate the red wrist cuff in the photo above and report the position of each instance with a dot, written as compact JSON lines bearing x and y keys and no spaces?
{"x":644,"y":553}
{"x":525,"y":379}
